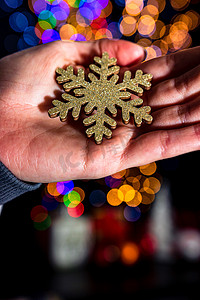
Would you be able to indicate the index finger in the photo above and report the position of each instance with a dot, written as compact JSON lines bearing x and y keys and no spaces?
{"x":172,"y":65}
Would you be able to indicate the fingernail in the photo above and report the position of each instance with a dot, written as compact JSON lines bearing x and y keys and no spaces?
{"x":145,"y":54}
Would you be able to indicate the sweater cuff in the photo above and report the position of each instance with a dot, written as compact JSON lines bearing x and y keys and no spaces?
{"x":11,"y":187}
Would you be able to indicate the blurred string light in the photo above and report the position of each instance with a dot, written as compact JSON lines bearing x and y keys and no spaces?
{"x":137,"y":186}
{"x":84,"y":20}
{"x":132,"y":187}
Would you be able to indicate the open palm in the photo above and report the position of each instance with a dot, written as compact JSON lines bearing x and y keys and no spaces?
{"x":38,"y":149}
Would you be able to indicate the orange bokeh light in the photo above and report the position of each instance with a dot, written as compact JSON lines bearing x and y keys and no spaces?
{"x":130,"y":253}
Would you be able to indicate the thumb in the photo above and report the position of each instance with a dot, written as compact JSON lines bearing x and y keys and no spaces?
{"x":126,"y":53}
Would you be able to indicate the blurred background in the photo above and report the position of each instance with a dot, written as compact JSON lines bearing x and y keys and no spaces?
{"x":134,"y":233}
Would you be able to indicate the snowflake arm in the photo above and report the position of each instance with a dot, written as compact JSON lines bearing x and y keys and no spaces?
{"x":105,"y":62}
{"x":134,"y":85}
{"x":61,"y":109}
{"x":72,"y":81}
{"x":99,"y":129}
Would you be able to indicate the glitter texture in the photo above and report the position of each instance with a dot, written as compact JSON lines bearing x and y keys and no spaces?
{"x":102,"y":93}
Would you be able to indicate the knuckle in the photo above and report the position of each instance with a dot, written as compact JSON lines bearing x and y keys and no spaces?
{"x":164,"y":144}
{"x":181,"y":85}
{"x":181,"y":112}
{"x":171,"y":61}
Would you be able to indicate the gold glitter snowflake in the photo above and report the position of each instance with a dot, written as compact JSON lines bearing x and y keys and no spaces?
{"x":102,"y":93}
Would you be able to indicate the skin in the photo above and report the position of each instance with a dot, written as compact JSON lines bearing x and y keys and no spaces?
{"x":39,"y":149}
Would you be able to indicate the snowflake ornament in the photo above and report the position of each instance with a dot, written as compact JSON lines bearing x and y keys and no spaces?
{"x":101,"y":93}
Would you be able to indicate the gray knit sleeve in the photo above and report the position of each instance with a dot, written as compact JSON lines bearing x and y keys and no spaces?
{"x":11,"y":187}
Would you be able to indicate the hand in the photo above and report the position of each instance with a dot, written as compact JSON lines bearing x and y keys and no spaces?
{"x":175,"y":102}
{"x":39,"y":149}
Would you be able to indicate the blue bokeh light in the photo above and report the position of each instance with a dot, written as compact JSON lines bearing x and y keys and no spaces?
{"x":97,"y":198}
{"x":13,"y":3}
{"x":30,"y":37}
{"x":132,"y":214}
{"x":18,"y":21}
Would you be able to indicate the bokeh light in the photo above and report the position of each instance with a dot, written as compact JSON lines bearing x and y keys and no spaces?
{"x":39,"y":213}
{"x":13,"y":3}
{"x":64,"y":187}
{"x":18,"y":22}
{"x":72,"y":199}
{"x":132,"y":214}
{"x":46,"y":20}
{"x":179,"y":4}
{"x":67,"y":31}
{"x":115,"y":197}
{"x":52,"y":189}
{"x":77,"y":211}
{"x":128,"y":25}
{"x":112,"y":182}
{"x":49,"y":203}
{"x":135,"y":7}
{"x":80,"y":191}
{"x":81,"y":20}
{"x":44,"y":225}
{"x":97,"y":198}
{"x":130,"y":253}
{"x":148,"y":169}
{"x":146,"y":25}
{"x":136,"y":200}
{"x":128,"y":192}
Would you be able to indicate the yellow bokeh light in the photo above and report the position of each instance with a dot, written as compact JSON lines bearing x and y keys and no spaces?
{"x":80,"y":191}
{"x":148,"y":169}
{"x":89,"y":35}
{"x":130,"y":253}
{"x":182,"y":18}
{"x":134,"y":7}
{"x":128,"y":192}
{"x":178,"y":35}
{"x":103,"y":33}
{"x":195,"y":19}
{"x":115,"y":197}
{"x":67,"y":31}
{"x":134,"y":181}
{"x":73,"y":3}
{"x":150,"y":10}
{"x":146,"y":25}
{"x":128,"y":25}
{"x":52,"y":190}
{"x":160,"y":30}
{"x":159,"y":4}
{"x":119,"y":174}
{"x":72,"y":18}
{"x":107,"y":10}
{"x":179,"y":4}
{"x":152,"y":183}
{"x":136,"y":200}
{"x":45,"y":25}
{"x":144,"y":42}
{"x":148,"y":195}
{"x":162,"y":45}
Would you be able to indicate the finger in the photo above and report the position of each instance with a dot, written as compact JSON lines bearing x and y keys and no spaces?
{"x":160,"y":145}
{"x":82,"y":53}
{"x":177,"y":90}
{"x":177,"y":115}
{"x":172,"y":65}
